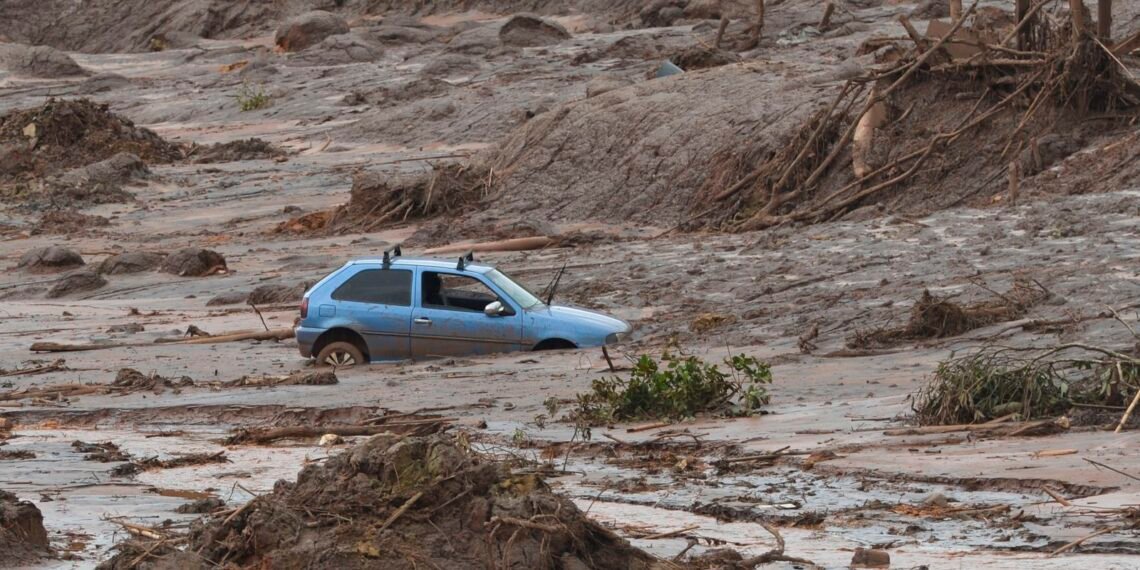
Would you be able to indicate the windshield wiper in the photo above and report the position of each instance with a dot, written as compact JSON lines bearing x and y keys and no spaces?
{"x":554,"y":284}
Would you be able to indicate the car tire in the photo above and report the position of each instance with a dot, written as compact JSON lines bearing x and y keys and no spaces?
{"x":340,"y":355}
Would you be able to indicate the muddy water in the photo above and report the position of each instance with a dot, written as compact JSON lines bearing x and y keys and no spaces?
{"x":80,"y":499}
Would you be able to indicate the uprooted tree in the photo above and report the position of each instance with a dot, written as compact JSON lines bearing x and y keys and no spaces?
{"x":988,"y":94}
{"x":996,"y":381}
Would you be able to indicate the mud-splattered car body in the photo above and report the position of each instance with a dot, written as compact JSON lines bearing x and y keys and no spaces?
{"x":414,"y":307}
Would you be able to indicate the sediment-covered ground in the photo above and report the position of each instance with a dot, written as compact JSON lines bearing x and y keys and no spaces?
{"x":171,"y":172}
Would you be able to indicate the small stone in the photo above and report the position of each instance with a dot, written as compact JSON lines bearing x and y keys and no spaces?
{"x":870,"y":558}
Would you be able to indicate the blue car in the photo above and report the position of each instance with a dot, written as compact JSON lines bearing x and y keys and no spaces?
{"x":399,"y":308}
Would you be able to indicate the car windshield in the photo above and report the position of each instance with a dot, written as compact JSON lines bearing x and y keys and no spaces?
{"x":520,"y":294}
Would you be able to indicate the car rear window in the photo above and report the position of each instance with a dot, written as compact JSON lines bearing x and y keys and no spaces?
{"x":378,"y":286}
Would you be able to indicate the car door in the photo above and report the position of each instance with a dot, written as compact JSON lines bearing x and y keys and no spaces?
{"x":378,"y":304}
{"x":448,"y":319}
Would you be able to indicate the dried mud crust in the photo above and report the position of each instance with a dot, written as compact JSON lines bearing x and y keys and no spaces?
{"x":419,"y":502}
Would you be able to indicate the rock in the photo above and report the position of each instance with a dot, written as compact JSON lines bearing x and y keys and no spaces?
{"x":129,"y":328}
{"x":22,"y":533}
{"x":931,"y":9}
{"x":324,"y":378}
{"x":1047,"y":151}
{"x":604,"y":84}
{"x":526,"y":30}
{"x":49,"y":259}
{"x":403,"y":34}
{"x":277,"y":294}
{"x":309,"y":29}
{"x":661,"y":13}
{"x":38,"y":61}
{"x":131,"y":262}
{"x":201,"y":506}
{"x":703,"y":10}
{"x":936,"y":500}
{"x":193,"y":262}
{"x":339,"y":50}
{"x":230,"y":298}
{"x":870,"y":558}
{"x":331,"y":439}
{"x":475,"y":41}
{"x":450,"y":65}
{"x":78,"y":282}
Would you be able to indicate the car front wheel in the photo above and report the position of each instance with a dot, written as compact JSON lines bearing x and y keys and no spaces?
{"x":340,"y":355}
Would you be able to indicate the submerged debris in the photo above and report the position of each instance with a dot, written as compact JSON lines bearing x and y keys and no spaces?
{"x":401,"y":503}
{"x":996,"y":381}
{"x":939,"y":317}
{"x":22,"y":534}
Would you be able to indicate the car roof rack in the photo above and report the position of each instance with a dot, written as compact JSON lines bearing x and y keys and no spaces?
{"x":464,"y":259}
{"x":387,"y":259}
{"x":397,"y":252}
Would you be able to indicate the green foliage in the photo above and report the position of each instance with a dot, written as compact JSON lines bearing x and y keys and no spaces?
{"x":994,"y":382}
{"x":252,"y":97}
{"x":675,"y":388}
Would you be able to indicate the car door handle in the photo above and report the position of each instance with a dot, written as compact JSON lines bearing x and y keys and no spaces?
{"x":422,"y":321}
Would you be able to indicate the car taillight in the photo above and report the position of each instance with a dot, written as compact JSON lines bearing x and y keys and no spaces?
{"x":305,"y":308}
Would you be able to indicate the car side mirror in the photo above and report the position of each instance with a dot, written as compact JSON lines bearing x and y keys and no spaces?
{"x":494,"y":309}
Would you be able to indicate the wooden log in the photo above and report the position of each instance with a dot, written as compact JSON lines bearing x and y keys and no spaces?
{"x":1077,"y":13}
{"x":1000,"y":429}
{"x":1104,"y":20}
{"x":1014,"y":182}
{"x":514,"y":244}
{"x":1023,"y":34}
{"x":297,"y":432}
{"x":720,"y":31}
{"x":828,"y":11}
{"x":276,"y":334}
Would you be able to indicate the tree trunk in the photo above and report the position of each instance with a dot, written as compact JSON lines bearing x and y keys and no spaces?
{"x":1104,"y":20}
{"x":1077,"y":13}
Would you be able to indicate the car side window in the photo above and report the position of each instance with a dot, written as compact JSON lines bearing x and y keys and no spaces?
{"x":377,"y":286}
{"x":455,"y":292}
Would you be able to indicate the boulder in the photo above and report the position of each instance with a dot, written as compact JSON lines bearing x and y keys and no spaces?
{"x":526,"y":30}
{"x":309,"y":29}
{"x":48,"y":259}
{"x":193,"y":262}
{"x":662,"y":13}
{"x":43,"y":62}
{"x":79,"y":282}
{"x":340,"y":49}
{"x":131,"y":262}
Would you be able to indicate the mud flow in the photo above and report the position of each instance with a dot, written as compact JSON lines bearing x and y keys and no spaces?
{"x":879,"y":260}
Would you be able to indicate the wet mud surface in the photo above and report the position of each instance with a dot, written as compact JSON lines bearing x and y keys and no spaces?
{"x":441,"y":89}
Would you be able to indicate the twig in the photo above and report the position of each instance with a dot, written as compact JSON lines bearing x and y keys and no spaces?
{"x":1110,"y":468}
{"x":524,"y":524}
{"x":1080,"y":541}
{"x":258,"y":311}
{"x":1057,"y":497}
{"x":400,"y":511}
{"x":671,"y":533}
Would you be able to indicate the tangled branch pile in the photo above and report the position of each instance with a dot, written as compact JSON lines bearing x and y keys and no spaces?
{"x":682,"y":388}
{"x":378,"y":199}
{"x":396,"y":503}
{"x":939,"y":317}
{"x":1032,"y":383}
{"x":988,"y":97}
